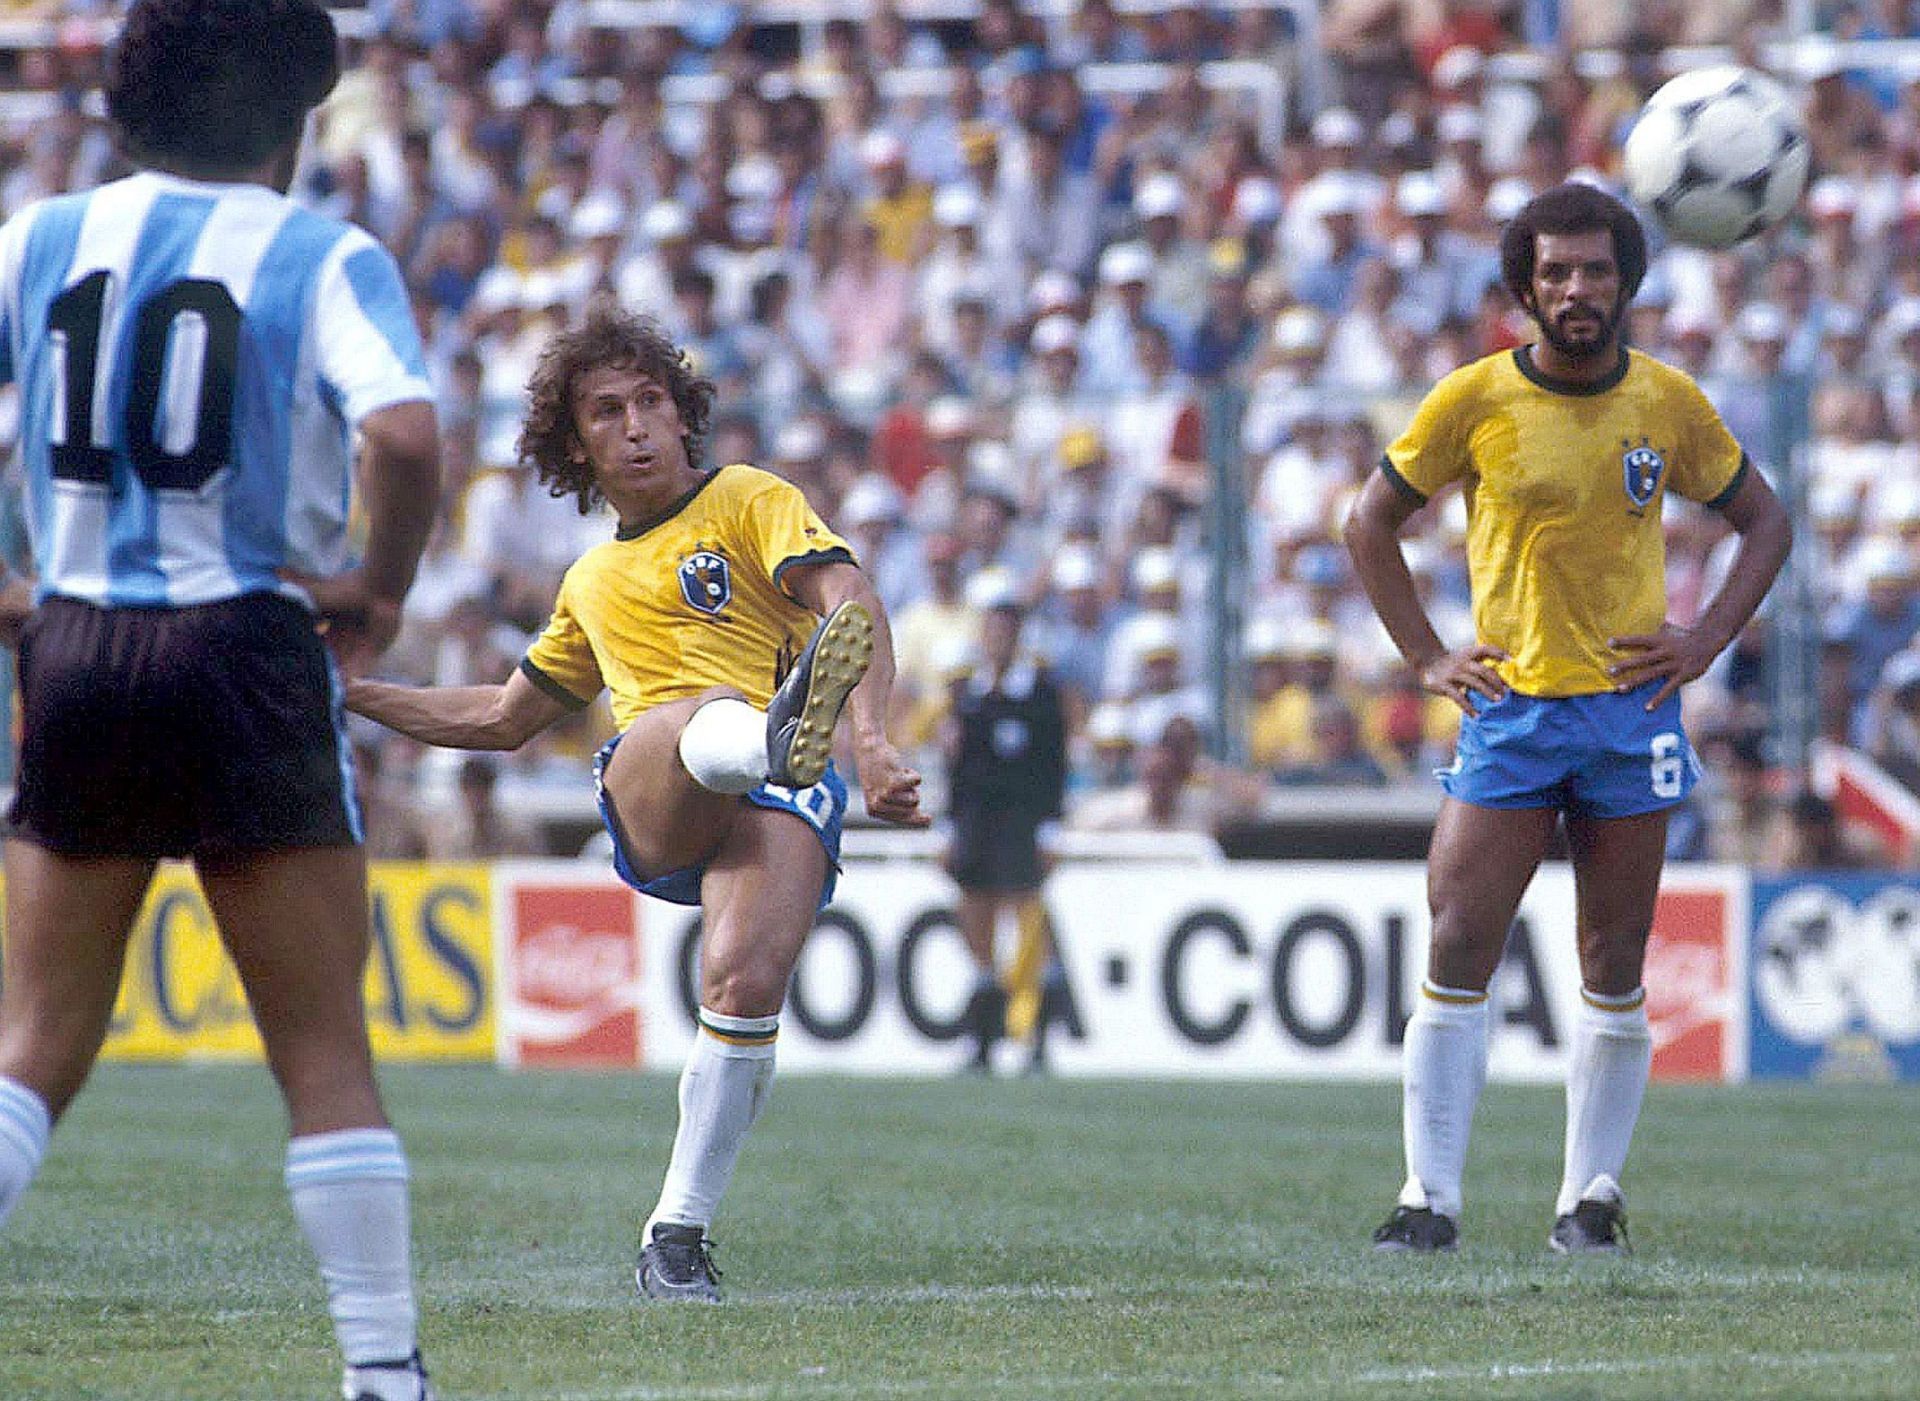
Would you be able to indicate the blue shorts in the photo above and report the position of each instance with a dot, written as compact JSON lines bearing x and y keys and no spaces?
{"x":1603,"y":755}
{"x":822,"y":807}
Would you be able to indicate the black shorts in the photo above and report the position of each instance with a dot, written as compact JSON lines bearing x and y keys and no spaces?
{"x":195,"y":731}
{"x":996,"y":852}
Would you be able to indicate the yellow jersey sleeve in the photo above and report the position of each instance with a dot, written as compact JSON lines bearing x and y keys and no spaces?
{"x":1434,"y":449}
{"x":780,"y":530}
{"x":561,"y":661}
{"x":1713,"y":463}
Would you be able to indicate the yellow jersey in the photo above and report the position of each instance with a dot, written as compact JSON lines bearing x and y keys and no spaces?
{"x":692,"y":600}
{"x":1564,"y":486}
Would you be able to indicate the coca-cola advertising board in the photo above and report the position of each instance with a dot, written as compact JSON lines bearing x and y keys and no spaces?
{"x":569,"y":961}
{"x":1696,"y":961}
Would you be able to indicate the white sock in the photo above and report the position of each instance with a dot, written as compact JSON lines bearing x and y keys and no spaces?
{"x":24,"y":1126}
{"x":722,"y":1090}
{"x":1606,"y":1079}
{"x":349,"y":1191}
{"x":724,"y":746}
{"x":1443,"y":1068}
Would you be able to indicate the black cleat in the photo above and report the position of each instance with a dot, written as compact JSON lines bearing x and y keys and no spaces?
{"x":1416,"y":1230}
{"x":986,"y":1020}
{"x":402,"y":1380}
{"x":1595,"y":1226}
{"x":675,"y":1265}
{"x":807,"y":706}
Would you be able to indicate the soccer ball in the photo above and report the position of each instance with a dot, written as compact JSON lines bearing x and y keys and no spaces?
{"x":1718,"y":155}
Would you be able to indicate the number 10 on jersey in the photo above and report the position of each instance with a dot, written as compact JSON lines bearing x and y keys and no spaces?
{"x":178,"y":424}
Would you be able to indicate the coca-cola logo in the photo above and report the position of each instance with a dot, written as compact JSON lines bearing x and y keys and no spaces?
{"x":1686,"y":988}
{"x":565,"y":965}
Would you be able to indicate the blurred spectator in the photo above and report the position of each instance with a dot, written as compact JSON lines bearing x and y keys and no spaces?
{"x":1004,"y":303}
{"x":1045,"y":208}
{"x":866,"y":301}
{"x":1809,"y":835}
{"x":1075,"y":629}
{"x":1892,"y":723}
{"x":1881,"y":620}
{"x":1228,"y":331}
{"x":475,"y":827}
{"x":1173,"y":792}
{"x":1334,"y":754}
{"x":394,"y":828}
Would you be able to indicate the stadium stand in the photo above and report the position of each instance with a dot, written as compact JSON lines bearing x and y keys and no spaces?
{"x":1122,"y":300}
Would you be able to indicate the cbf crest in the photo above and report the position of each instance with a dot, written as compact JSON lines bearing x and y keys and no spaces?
{"x":1643,"y":466}
{"x":706,"y":581}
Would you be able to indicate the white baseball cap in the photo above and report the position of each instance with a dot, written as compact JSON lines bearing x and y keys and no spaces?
{"x":1418,"y":193}
{"x":1337,"y":126}
{"x":881,"y":147}
{"x":1126,"y":262}
{"x":1075,"y":567}
{"x":1299,"y":328}
{"x":956,"y":206}
{"x":1256,"y":200}
{"x":1052,"y":290}
{"x":666,"y":221}
{"x":600,"y":215}
{"x":1159,"y":195}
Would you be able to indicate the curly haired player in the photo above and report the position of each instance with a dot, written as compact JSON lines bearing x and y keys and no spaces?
{"x":699,"y":618}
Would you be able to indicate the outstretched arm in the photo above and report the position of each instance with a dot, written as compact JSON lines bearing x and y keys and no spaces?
{"x":892,"y":789}
{"x":459,"y":717}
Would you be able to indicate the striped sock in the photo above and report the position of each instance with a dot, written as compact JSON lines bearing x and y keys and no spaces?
{"x":722,"y":1090}
{"x":349,"y":1191}
{"x":1443,"y":1068}
{"x":1606,"y":1080}
{"x":24,"y":1126}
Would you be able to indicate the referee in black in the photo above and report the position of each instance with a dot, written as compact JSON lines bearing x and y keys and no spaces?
{"x":1006,"y":778}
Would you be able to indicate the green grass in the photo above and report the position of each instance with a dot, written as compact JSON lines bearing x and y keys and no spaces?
{"x":1044,"y":1239}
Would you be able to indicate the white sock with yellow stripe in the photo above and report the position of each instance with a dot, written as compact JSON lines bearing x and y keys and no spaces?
{"x":722,"y":1090}
{"x":1443,"y":1068}
{"x":1606,"y":1080}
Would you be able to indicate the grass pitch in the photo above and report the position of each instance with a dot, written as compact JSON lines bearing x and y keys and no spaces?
{"x":960,"y":1239}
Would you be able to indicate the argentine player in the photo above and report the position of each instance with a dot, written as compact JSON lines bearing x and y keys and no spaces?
{"x":195,"y":355}
{"x":699,"y":618}
{"x":1566,"y":450}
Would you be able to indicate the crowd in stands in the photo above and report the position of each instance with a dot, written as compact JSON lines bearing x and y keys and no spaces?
{"x":1013,"y":328}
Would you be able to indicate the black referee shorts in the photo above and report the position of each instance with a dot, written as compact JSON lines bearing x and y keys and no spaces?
{"x":996,"y":852}
{"x":200,"y":731}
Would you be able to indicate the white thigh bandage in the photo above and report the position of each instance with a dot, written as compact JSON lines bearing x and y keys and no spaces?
{"x":724,"y":746}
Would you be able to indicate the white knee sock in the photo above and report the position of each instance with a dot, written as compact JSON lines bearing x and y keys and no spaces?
{"x":1606,"y":1079}
{"x":24,"y":1126}
{"x":349,"y":1191}
{"x":1443,"y":1068}
{"x":724,"y":746}
{"x":722,"y":1091}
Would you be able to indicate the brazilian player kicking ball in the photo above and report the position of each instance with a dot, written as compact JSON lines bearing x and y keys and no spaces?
{"x":718,"y":790}
{"x":1567,"y":449}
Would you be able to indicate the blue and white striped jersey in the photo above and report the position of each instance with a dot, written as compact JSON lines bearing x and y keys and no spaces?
{"x":192,"y":358}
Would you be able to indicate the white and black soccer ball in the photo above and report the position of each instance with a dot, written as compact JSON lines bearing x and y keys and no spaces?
{"x":1718,"y":155}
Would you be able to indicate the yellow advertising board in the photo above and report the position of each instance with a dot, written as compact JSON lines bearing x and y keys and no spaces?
{"x":429,"y":988}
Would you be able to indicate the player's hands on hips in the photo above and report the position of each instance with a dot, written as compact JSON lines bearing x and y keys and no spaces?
{"x":1468,"y":670}
{"x":357,"y":623}
{"x":892,"y":789}
{"x":1677,"y":654}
